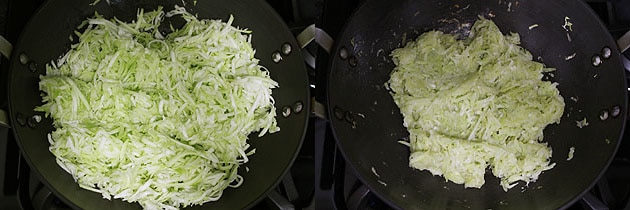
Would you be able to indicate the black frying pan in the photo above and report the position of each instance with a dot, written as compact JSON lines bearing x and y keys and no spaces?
{"x":367,"y":123}
{"x":45,"y":38}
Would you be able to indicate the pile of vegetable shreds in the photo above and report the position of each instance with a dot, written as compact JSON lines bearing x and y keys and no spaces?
{"x":474,"y":104}
{"x":158,"y":120}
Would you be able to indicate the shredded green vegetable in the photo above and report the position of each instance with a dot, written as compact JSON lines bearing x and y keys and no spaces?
{"x":158,"y":120}
{"x":570,"y":154}
{"x":474,"y":104}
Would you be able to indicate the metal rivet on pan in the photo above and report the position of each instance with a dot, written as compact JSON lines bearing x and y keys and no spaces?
{"x":343,"y":53}
{"x":603,"y":115}
{"x":20,"y":119}
{"x":353,"y":61}
{"x":596,"y":60}
{"x":338,"y":113}
{"x":286,"y":49}
{"x":286,"y":111}
{"x":34,"y":120}
{"x":276,"y":57}
{"x":606,"y":52}
{"x":615,"y":111}
{"x":23,"y":59}
{"x":32,"y":66}
{"x":297,"y":107}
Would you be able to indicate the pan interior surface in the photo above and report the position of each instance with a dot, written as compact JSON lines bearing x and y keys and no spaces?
{"x":46,"y":37}
{"x":367,"y":123}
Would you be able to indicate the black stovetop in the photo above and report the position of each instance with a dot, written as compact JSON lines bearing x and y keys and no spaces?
{"x":319,"y":179}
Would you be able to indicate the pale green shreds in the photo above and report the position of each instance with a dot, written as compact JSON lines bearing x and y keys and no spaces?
{"x":162,"y":120}
{"x":474,"y":104}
